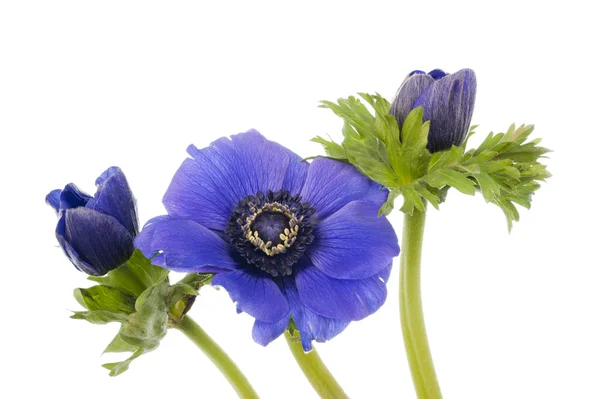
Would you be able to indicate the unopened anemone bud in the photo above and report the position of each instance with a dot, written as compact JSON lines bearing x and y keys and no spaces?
{"x":448,"y":101}
{"x":96,"y":233}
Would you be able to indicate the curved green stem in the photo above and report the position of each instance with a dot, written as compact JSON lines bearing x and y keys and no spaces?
{"x":220,"y":359}
{"x":411,"y":310}
{"x":315,"y":371}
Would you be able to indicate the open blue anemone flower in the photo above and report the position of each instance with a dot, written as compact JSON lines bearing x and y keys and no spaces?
{"x":286,"y":239}
{"x":97,"y":232}
{"x":448,"y":101}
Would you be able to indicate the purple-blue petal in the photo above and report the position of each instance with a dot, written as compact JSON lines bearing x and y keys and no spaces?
{"x":332,"y":184}
{"x":416,"y":72}
{"x":295,"y":175}
{"x":353,"y":243}
{"x":407,"y":94}
{"x":339,"y":299}
{"x":264,"y":333}
{"x":448,"y":104}
{"x":437,"y":74}
{"x":72,"y":197}
{"x":53,"y":199}
{"x":255,"y":293}
{"x":310,"y":325}
{"x":96,"y":243}
{"x":384,"y":274}
{"x":297,"y":311}
{"x":323,"y":328}
{"x":207,"y":187}
{"x":185,"y":246}
{"x":114,"y":197}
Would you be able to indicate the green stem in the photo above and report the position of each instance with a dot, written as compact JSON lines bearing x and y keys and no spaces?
{"x":315,"y":371}
{"x":411,"y":310}
{"x":220,"y":359}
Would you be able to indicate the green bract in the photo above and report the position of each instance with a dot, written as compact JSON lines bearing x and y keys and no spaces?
{"x":505,"y":168}
{"x":139,"y":296}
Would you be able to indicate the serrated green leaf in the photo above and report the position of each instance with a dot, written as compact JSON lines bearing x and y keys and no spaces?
{"x":120,"y":367}
{"x":388,"y":205}
{"x":332,"y":149}
{"x":117,"y":345}
{"x":412,"y":201}
{"x":449,"y":158}
{"x":415,"y":156}
{"x":487,"y":185}
{"x":102,"y":297}
{"x":431,"y":197}
{"x":450,"y":177}
{"x":100,"y":316}
{"x":133,"y":277}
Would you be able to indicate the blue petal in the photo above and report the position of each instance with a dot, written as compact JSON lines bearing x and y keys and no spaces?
{"x":353,"y":243}
{"x":310,"y":325}
{"x":437,"y":74}
{"x":263,"y":333}
{"x":53,"y":199}
{"x":208,"y":187}
{"x":416,"y":72}
{"x":407,"y":94}
{"x":295,"y":175}
{"x":297,"y":311}
{"x":449,"y":104}
{"x":339,"y":299}
{"x":185,"y":246}
{"x":94,"y":242}
{"x":114,"y":197}
{"x":324,"y":328}
{"x":72,"y":197}
{"x":384,"y":275}
{"x":255,"y":293}
{"x":332,"y":184}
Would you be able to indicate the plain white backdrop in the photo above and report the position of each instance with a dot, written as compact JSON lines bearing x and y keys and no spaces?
{"x":86,"y":85}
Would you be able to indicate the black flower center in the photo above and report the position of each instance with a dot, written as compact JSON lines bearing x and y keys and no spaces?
{"x":271,"y":231}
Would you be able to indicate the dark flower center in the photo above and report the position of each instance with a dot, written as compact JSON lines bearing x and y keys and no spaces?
{"x":271,"y":231}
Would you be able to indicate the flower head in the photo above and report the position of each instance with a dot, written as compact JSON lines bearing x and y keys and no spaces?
{"x":447,"y":100}
{"x":287,"y":239}
{"x":96,"y":232}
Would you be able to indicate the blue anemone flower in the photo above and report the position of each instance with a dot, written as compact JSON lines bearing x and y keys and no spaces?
{"x":287,"y":239}
{"x":448,"y":101}
{"x":97,"y":232}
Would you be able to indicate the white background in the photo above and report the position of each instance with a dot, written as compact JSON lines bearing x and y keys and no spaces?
{"x":86,"y":85}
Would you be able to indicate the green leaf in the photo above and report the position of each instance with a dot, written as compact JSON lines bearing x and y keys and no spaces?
{"x":134,"y":276}
{"x":332,"y":149}
{"x":488,"y":186}
{"x":505,"y":167}
{"x":415,"y":156}
{"x":100,"y":316}
{"x":143,"y":330}
{"x":102,"y":297}
{"x":388,"y":205}
{"x":121,"y":367}
{"x":451,"y":177}
{"x":117,"y":345}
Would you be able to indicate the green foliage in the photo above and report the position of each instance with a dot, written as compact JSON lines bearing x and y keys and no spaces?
{"x":133,"y":277}
{"x":139,"y":296}
{"x":505,"y":168}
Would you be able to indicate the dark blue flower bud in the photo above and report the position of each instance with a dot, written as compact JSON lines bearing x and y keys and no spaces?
{"x":447,"y":100}
{"x":97,"y":232}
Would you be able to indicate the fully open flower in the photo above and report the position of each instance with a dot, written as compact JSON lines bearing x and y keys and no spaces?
{"x":287,"y":239}
{"x":97,"y":232}
{"x":447,"y":100}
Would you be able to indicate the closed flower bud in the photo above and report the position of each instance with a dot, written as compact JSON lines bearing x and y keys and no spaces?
{"x":447,"y":100}
{"x":97,"y":232}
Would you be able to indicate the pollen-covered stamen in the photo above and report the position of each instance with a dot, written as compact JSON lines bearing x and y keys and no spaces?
{"x":271,"y":231}
{"x":273,"y":228}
